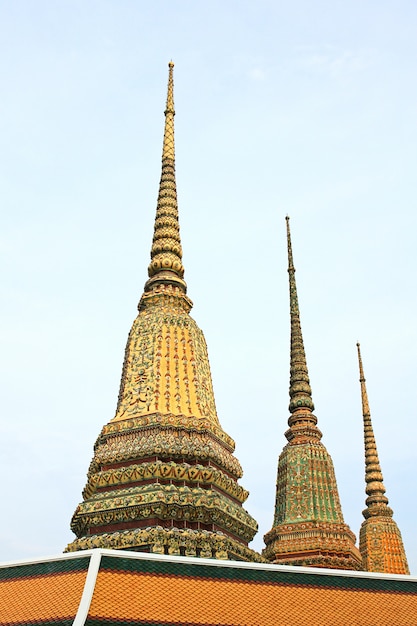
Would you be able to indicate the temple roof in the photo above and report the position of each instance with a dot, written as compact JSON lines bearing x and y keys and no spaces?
{"x":110,"y":586}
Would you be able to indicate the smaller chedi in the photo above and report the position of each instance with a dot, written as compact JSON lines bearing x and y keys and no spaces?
{"x":308,"y":527}
{"x":163,"y":478}
{"x":380,"y":541}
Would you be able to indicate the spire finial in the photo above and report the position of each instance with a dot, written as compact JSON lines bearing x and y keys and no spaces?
{"x":166,"y":266}
{"x":290,"y":259}
{"x":301,"y":403}
{"x":376,"y":502}
{"x":168,"y":150}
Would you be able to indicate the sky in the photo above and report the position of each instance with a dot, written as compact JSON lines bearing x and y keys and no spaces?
{"x":302,"y":108}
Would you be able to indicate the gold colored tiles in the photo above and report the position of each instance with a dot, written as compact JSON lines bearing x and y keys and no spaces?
{"x":166,"y":368}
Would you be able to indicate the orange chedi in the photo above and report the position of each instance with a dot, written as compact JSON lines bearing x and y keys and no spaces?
{"x":380,"y":541}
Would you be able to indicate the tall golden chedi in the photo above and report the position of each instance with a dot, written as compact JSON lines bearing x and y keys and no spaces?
{"x":308,"y":526}
{"x":163,"y":478}
{"x":380,"y":541}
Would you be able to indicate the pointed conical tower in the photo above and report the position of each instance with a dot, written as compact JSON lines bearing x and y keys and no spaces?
{"x":380,"y":541}
{"x":308,"y":524}
{"x":163,"y":478}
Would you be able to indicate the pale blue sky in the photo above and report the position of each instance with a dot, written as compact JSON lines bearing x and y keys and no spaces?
{"x":307,"y":109}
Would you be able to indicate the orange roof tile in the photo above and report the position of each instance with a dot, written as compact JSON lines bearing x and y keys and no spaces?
{"x":42,"y":593}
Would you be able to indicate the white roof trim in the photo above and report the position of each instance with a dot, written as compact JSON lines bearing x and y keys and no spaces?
{"x":48,"y":559}
{"x":189,"y":560}
{"x":90,"y":583}
{"x":293,"y":569}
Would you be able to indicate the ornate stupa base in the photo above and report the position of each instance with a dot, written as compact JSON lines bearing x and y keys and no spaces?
{"x":172,"y":541}
{"x":313,"y":544}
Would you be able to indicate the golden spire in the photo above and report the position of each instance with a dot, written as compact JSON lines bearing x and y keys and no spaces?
{"x":301,"y":403}
{"x":380,"y":541}
{"x":164,"y":478}
{"x":166,"y":266}
{"x":373,"y":475}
